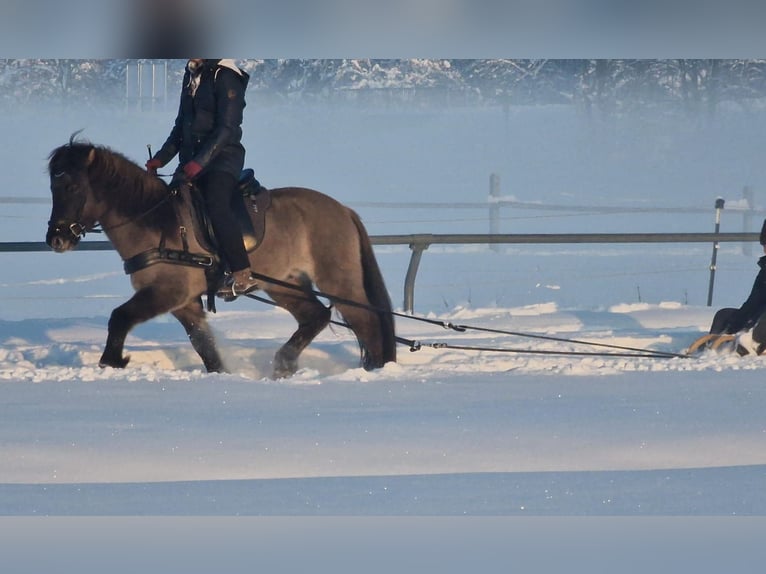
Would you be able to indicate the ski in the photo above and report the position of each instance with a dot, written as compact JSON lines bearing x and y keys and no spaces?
{"x":712,"y":341}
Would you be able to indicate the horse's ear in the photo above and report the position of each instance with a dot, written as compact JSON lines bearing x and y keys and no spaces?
{"x":91,"y":156}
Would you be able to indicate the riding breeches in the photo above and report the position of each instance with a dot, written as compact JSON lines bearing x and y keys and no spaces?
{"x":219,"y":190}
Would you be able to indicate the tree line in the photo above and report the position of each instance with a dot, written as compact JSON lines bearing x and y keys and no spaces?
{"x":607,"y":85}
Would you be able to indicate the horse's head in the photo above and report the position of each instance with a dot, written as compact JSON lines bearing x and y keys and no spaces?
{"x":72,"y":213}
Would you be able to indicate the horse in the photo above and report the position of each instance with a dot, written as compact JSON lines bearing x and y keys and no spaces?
{"x":313,"y":245}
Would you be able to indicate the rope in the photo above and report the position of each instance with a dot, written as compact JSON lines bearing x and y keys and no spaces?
{"x":665,"y":354}
{"x":648,"y":355}
{"x":417,"y":345}
{"x":410,"y":343}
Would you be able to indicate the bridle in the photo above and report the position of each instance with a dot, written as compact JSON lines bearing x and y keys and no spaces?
{"x":77,"y":228}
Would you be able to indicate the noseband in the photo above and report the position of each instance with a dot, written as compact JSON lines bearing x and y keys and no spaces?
{"x":76,"y":229}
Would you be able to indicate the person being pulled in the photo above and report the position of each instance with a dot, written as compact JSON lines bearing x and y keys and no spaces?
{"x":207,"y":137}
{"x":746,"y":321}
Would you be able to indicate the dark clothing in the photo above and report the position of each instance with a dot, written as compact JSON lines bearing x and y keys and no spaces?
{"x":208,"y":129}
{"x":208,"y":132}
{"x":735,"y":320}
{"x":219,"y":189}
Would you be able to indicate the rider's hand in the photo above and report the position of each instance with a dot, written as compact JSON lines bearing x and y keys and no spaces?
{"x":153,"y":165}
{"x":192,"y":169}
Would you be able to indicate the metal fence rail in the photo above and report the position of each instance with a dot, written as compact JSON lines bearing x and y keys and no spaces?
{"x":420,"y":242}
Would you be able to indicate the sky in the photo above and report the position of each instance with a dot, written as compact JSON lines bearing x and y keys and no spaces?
{"x":444,"y":432}
{"x":412,"y":28}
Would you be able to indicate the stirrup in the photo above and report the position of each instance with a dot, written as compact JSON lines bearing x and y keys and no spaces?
{"x":247,"y":290}
{"x":228,"y":292}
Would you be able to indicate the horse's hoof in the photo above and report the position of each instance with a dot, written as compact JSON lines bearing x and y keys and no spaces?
{"x":284,"y":369}
{"x":120,"y":363}
{"x":370,"y":364}
{"x":284,"y":365}
{"x":282,"y":373}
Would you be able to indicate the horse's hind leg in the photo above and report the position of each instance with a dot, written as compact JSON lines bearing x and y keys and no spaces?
{"x":311,"y":316}
{"x":145,"y":304}
{"x":366,"y":326}
{"x":194,"y":321}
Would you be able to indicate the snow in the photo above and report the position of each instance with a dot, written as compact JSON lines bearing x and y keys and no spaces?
{"x":441,"y":432}
{"x":444,"y":431}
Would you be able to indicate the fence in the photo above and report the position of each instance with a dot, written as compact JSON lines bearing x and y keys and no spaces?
{"x":418,"y":243}
{"x":146,"y":84}
{"x":498,"y":205}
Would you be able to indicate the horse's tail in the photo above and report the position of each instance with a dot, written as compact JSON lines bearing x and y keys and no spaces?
{"x":376,"y":291}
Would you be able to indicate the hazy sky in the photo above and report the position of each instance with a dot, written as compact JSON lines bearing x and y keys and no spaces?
{"x":400,"y":28}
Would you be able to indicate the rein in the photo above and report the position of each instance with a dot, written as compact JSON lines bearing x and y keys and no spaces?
{"x":98,"y":228}
{"x":78,"y":229}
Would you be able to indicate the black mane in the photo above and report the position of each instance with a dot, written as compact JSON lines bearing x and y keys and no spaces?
{"x":114,"y":179}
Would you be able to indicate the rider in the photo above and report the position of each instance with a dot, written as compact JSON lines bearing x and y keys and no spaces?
{"x":730,"y":320}
{"x":207,"y":138}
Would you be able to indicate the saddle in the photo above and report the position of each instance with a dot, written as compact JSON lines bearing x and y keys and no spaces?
{"x":253,"y":199}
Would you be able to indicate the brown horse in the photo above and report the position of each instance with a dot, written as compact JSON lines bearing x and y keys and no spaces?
{"x":310,"y":240}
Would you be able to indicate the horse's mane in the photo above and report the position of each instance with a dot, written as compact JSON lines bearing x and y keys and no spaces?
{"x":118,"y":181}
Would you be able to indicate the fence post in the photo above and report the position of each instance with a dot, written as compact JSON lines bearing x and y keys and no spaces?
{"x":494,"y":208}
{"x":747,"y":218}
{"x":718,"y":207}
{"x":420,"y":244}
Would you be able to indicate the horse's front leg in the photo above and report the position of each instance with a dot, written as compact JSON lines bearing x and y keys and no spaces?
{"x":146,"y":303}
{"x":194,"y":321}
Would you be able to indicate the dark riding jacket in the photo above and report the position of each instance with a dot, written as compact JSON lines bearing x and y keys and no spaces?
{"x":208,"y":128}
{"x":734,"y":320}
{"x":755,"y":305}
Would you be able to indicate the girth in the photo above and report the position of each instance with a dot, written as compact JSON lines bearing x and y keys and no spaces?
{"x":161,"y":254}
{"x":164,"y":255}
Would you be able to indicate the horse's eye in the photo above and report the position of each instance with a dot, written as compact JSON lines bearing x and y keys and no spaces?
{"x":66,"y":188}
